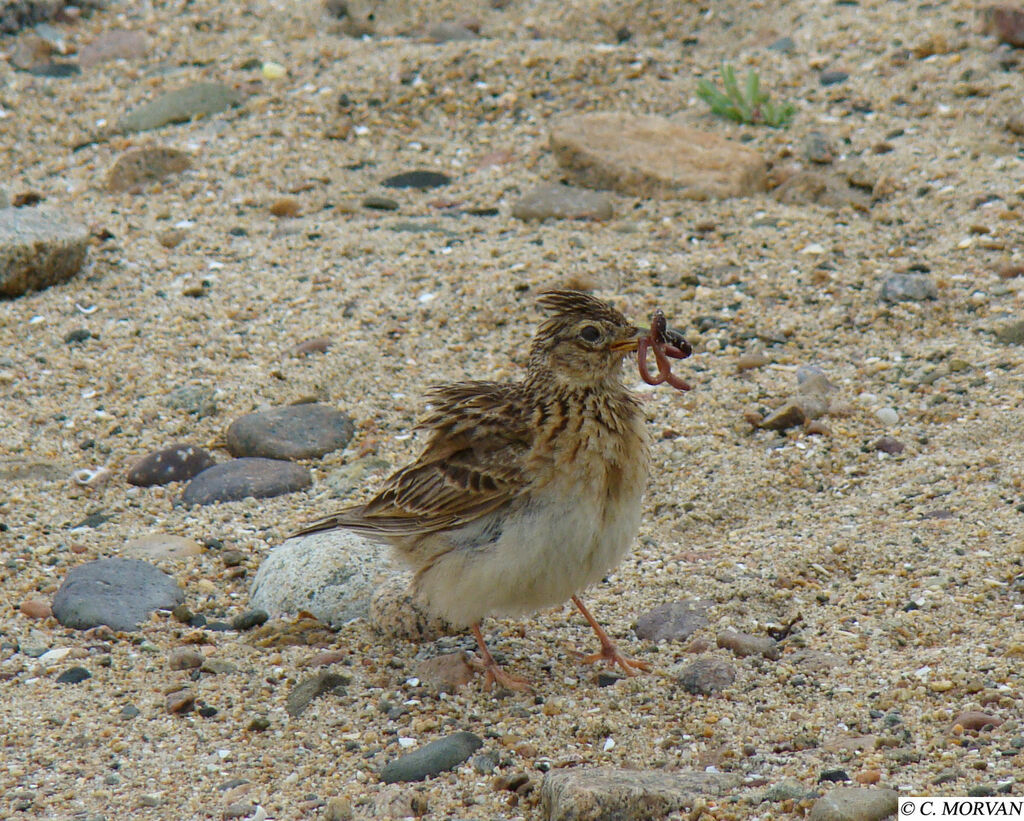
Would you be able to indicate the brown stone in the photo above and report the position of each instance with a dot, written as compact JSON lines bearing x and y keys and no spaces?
{"x":654,"y":157}
{"x":140,"y":167}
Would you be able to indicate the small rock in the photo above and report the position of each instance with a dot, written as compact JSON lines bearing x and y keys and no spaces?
{"x":161,"y":546}
{"x":218,"y":667}
{"x":450,"y":32}
{"x":908,"y":288}
{"x":292,"y":432}
{"x":172,"y":237}
{"x":305,"y":691}
{"x":597,"y":793}
{"x":673,"y":621}
{"x":485,"y":763}
{"x":197,"y":399}
{"x":1006,"y":22}
{"x":180,"y":702}
{"x":555,"y":201}
{"x":176,"y":463}
{"x":73,"y":675}
{"x":139,"y":167}
{"x":36,"y":609}
{"x":868,"y":777}
{"x":812,"y":187}
{"x":886,"y":444}
{"x":750,"y":360}
{"x":647,"y":156}
{"x":421,"y":180}
{"x":977,"y":720}
{"x":114,"y":45}
{"x":242,"y":478}
{"x":705,"y":675}
{"x":784,"y":45}
{"x":130,"y":711}
{"x":319,"y":344}
{"x":854,"y":804}
{"x":818,"y":149}
{"x":77,"y":336}
{"x":352,"y":475}
{"x":249,"y":619}
{"x":835,"y":776}
{"x":1011,"y":334}
{"x":260,"y":724}
{"x":39,"y":247}
{"x":119,"y":593}
{"x":185,"y":658}
{"x":887,"y":416}
{"x":432,"y":759}
{"x":380,"y":203}
{"x":285,"y":207}
{"x":338,"y":808}
{"x":445,"y":673}
{"x":30,"y":52}
{"x":788,"y":789}
{"x":180,"y":106}
{"x":833,"y":77}
{"x":238,"y":810}
{"x":395,"y":611}
{"x":745,"y":644}
{"x":331,"y":575}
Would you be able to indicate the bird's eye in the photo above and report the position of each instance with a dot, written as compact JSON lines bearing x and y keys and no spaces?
{"x":590,"y":333}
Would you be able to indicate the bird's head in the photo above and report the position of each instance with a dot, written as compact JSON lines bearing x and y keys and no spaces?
{"x":584,"y":340}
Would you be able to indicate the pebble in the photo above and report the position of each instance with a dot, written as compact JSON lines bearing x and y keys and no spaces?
{"x":31,"y":51}
{"x":421,"y":180}
{"x":705,"y":675}
{"x":818,"y":148}
{"x":908,"y":288}
{"x":242,"y":478}
{"x":159,"y":546}
{"x":789,"y":789}
{"x":331,"y":575}
{"x":135,"y":169}
{"x":185,"y":658}
{"x":198,"y":399}
{"x":352,"y":475}
{"x":854,"y":804}
{"x":180,"y":702}
{"x":218,"y":667}
{"x":172,"y":237}
{"x":556,"y":201}
{"x":249,"y":619}
{"x":745,"y":644}
{"x":606,"y":792}
{"x":119,"y":593}
{"x":977,"y":720}
{"x":815,"y":188}
{"x":673,"y":621}
{"x":834,"y":776}
{"x":338,"y":808}
{"x":887,"y":416}
{"x":292,"y":432}
{"x":36,"y":609}
{"x":113,"y":45}
{"x":319,"y":344}
{"x":1006,"y":22}
{"x":305,"y":691}
{"x":445,"y":673}
{"x":886,"y":444}
{"x":432,"y":759}
{"x":750,"y":360}
{"x":643,"y":155}
{"x":73,"y":675}
{"x":833,"y":77}
{"x":39,"y":247}
{"x":238,"y":810}
{"x":1012,"y":333}
{"x":395,"y":612}
{"x":784,"y":45}
{"x":176,"y":463}
{"x":448,"y":31}
{"x":180,"y":106}
{"x":77,"y":336}
{"x":380,"y":203}
{"x":285,"y":207}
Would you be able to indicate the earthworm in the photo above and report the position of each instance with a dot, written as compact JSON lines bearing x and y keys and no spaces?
{"x":665,"y":343}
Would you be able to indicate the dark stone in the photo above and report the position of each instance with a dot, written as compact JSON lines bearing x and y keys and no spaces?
{"x":304,"y":692}
{"x":434,"y":758}
{"x":73,"y":675}
{"x":119,"y":593}
{"x":380,"y":203}
{"x":784,"y":45}
{"x":176,"y":463}
{"x":130,"y":711}
{"x":831,"y":78}
{"x":887,"y":444}
{"x":241,"y":478}
{"x":76,"y":336}
{"x":422,"y":180}
{"x":290,"y":432}
{"x":705,"y":675}
{"x":835,"y":776}
{"x":672,"y":621}
{"x":56,"y":70}
{"x":249,"y":620}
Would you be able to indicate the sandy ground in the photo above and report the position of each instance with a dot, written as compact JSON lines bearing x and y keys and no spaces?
{"x":905,"y":570}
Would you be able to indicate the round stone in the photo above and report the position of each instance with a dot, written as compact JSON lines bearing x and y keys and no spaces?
{"x":291,"y":432}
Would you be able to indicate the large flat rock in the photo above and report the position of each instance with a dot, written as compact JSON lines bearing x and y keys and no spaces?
{"x":647,"y":156}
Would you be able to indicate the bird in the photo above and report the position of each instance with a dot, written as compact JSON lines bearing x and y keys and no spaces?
{"x":525,"y":493}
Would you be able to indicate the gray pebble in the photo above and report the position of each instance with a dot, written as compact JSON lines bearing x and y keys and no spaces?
{"x":854,"y":804}
{"x":176,"y":463}
{"x":249,"y":619}
{"x":908,"y":288}
{"x":1011,"y":334}
{"x":290,"y":432}
{"x":179,"y":106}
{"x":185,"y":658}
{"x":745,"y":644}
{"x":73,"y":675}
{"x":434,"y":758}
{"x":556,"y":201}
{"x":305,"y":691}
{"x":197,"y":399}
{"x":672,"y":621}
{"x":119,"y":593}
{"x":242,"y":478}
{"x":705,"y":675}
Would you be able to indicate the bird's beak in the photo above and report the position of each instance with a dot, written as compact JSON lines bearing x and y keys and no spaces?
{"x":630,"y":345}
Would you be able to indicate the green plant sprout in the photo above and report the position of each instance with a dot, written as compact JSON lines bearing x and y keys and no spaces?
{"x":747,"y":105}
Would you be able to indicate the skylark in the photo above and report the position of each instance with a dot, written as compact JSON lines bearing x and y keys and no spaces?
{"x":526,"y":493}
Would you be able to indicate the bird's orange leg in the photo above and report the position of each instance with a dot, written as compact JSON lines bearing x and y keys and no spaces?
{"x":609,"y":652}
{"x":495,"y":675}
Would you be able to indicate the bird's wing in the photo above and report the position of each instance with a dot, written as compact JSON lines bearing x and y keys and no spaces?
{"x":472,"y":464}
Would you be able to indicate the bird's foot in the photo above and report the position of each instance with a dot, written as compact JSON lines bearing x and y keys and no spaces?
{"x":494,"y":674}
{"x":611,"y":656}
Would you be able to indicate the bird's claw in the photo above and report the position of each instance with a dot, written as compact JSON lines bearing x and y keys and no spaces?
{"x":611,"y":656}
